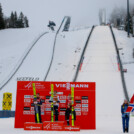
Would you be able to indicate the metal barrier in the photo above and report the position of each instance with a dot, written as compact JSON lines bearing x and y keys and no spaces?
{"x":54,"y":48}
{"x":82,"y":55}
{"x":7,"y":114}
{"x":22,"y":60}
{"x":121,"y":67}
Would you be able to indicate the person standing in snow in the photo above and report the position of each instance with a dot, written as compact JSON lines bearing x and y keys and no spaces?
{"x":125,"y":116}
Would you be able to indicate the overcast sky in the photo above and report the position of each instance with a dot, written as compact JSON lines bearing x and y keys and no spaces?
{"x":83,"y":12}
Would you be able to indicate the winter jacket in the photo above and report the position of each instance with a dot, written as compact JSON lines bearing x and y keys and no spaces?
{"x":55,"y":100}
{"x":123,"y":110}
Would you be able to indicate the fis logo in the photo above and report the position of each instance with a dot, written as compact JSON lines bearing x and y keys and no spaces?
{"x":47,"y":126}
{"x":28,"y":85}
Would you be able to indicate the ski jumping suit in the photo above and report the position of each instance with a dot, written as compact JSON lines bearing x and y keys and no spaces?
{"x":68,"y":110}
{"x":125,"y":117}
{"x":39,"y":103}
{"x":56,"y":105}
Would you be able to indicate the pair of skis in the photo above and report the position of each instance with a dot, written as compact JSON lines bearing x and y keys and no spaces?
{"x":72,"y":98}
{"x":36,"y":105}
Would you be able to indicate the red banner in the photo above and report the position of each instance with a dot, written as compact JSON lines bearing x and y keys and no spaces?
{"x":84,"y":96}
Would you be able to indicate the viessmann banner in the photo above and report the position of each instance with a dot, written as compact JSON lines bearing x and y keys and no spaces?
{"x":84,"y":96}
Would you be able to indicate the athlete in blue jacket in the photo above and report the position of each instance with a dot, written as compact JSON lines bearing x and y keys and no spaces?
{"x":125,"y":116}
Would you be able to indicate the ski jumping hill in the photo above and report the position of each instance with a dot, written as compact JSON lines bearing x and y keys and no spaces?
{"x":99,"y":65}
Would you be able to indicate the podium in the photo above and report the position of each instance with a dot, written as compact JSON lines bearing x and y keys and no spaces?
{"x":50,"y":126}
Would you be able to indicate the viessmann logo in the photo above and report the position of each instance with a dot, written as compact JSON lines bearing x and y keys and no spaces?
{"x":32,"y":127}
{"x":71,"y":128}
{"x":68,"y":85}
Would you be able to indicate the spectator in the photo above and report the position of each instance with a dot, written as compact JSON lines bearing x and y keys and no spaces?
{"x":125,"y":116}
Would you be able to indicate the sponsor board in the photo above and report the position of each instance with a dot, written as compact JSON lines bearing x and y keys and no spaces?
{"x":26,"y":113}
{"x":71,"y":128}
{"x":77,"y":109}
{"x":63,"y":97}
{"x":27,"y":104}
{"x":77,"y":101}
{"x":83,"y":96}
{"x":85,"y":113}
{"x":47,"y":101}
{"x":27,"y":108}
{"x":27,"y":79}
{"x":78,"y":105}
{"x":32,"y":112}
{"x":47,"y":97}
{"x":48,"y":105}
{"x":47,"y":109}
{"x":84,"y":101}
{"x":54,"y":126}
{"x":84,"y":105}
{"x":27,"y":96}
{"x":62,"y":113}
{"x":72,"y":85}
{"x":78,"y":113}
{"x":32,"y":108}
{"x":27,"y":100}
{"x":63,"y":105}
{"x":77,"y":97}
{"x":62,"y":109}
{"x":62,"y":101}
{"x":33,"y":126}
{"x":85,"y":109}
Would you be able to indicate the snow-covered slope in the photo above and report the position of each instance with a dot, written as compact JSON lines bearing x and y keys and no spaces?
{"x":67,"y":54}
{"x":99,"y":65}
{"x":126,"y":46}
{"x":14,"y":45}
{"x":34,"y":66}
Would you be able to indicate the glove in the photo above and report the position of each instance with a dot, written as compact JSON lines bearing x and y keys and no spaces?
{"x":126,"y":116}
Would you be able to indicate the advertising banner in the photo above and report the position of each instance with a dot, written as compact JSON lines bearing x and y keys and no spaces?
{"x":84,"y":102}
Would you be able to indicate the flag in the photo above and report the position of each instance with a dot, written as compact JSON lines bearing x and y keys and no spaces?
{"x":131,"y":105}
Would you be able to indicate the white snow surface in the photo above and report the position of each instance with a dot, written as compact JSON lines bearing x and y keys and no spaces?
{"x":126,"y":46}
{"x":35,"y":65}
{"x":99,"y":65}
{"x":14,"y":44}
{"x":69,"y":47}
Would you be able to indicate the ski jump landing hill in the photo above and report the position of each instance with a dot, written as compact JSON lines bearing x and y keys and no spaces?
{"x":38,"y":58}
{"x":97,"y":63}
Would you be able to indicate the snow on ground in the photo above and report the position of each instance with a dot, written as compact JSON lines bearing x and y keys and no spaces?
{"x":126,"y":46}
{"x":100,"y":66}
{"x":105,"y":125}
{"x":14,"y":44}
{"x":69,"y":47}
{"x":34,"y":66}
